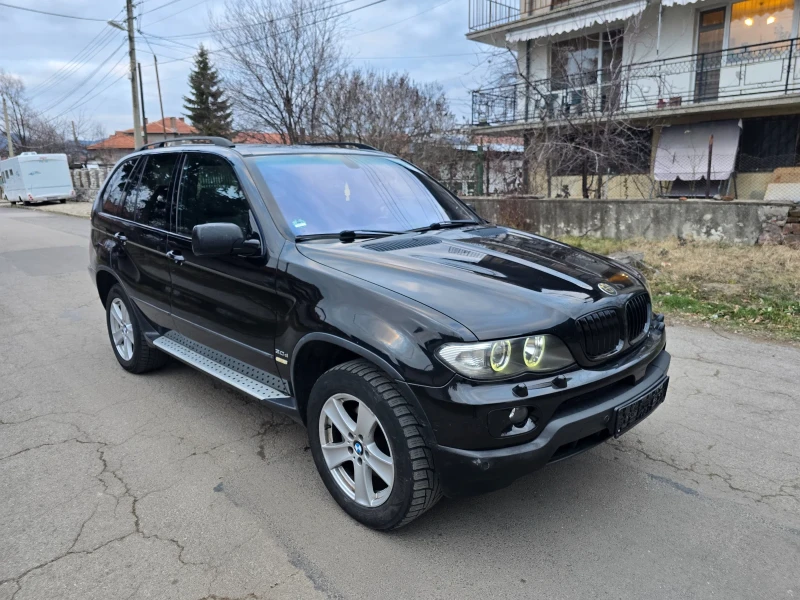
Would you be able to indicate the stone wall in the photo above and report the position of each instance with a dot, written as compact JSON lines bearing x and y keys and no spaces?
{"x":87,"y":182}
{"x":783,"y":229}
{"x":739,"y":221}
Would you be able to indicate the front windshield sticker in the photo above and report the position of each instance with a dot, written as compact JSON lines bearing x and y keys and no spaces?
{"x":298,"y":223}
{"x":346,"y":192}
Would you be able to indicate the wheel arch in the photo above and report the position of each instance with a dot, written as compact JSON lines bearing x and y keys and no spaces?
{"x":105,"y":280}
{"x":318,"y":352}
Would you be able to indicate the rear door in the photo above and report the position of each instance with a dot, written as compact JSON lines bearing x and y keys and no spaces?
{"x":144,"y":217}
{"x":227,"y":303}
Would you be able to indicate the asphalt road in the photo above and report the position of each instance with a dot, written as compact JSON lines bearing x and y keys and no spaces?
{"x":169,"y":485}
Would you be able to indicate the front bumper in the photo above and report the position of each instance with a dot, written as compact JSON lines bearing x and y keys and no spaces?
{"x":577,"y":428}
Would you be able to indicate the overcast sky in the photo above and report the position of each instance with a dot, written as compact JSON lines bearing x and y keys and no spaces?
{"x":35,"y":47}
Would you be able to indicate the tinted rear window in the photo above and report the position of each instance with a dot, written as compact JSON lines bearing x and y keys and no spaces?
{"x":149,"y":200}
{"x":117,"y":185}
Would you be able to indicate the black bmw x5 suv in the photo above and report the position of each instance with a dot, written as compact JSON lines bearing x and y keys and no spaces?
{"x":427,"y":351}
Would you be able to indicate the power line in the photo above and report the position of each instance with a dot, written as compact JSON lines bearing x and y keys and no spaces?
{"x":80,"y":60}
{"x":92,"y":98}
{"x":336,"y":16}
{"x":281,"y":18}
{"x":165,"y":5}
{"x":51,"y":14}
{"x":169,"y":16}
{"x":413,"y":57}
{"x":86,"y":80}
{"x":174,"y":42}
{"x":404,"y":20}
{"x":78,"y":102}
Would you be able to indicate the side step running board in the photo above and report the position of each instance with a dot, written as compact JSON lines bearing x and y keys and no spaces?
{"x":246,"y":378}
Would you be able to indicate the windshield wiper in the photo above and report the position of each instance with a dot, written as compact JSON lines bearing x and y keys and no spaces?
{"x":348,"y":235}
{"x":447,"y":225}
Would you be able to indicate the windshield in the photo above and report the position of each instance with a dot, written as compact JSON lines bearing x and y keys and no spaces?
{"x":329,"y":193}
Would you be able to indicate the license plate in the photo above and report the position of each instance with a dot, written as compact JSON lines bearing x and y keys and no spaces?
{"x":632,"y":412}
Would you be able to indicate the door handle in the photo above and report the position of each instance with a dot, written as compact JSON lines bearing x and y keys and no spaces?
{"x":176,"y":258}
{"x":120,"y":237}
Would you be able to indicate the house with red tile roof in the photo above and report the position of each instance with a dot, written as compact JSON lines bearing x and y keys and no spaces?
{"x":113,"y":148}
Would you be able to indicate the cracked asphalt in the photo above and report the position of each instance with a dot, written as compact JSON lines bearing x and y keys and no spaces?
{"x":169,"y":485}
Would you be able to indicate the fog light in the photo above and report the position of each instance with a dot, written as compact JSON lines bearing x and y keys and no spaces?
{"x":518,"y":416}
{"x":511,"y":421}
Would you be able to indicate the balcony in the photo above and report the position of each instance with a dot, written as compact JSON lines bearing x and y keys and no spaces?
{"x":699,"y":81}
{"x":486,"y":14}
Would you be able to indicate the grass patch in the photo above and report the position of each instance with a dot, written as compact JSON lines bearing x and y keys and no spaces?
{"x":746,"y":288}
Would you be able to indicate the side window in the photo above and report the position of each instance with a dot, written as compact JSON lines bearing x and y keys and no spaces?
{"x":210,"y":193}
{"x":115,"y":190}
{"x":148,"y":202}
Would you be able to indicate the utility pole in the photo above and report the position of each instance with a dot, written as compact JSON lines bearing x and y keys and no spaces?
{"x":75,"y":139}
{"x":8,"y":130}
{"x":137,"y":124}
{"x":160,"y":102}
{"x":141,"y":95}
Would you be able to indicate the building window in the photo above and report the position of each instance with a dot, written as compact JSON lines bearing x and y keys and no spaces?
{"x":768,"y":143}
{"x":760,"y":21}
{"x":576,"y":63}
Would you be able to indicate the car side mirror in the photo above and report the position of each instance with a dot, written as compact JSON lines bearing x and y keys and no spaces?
{"x":222,"y":239}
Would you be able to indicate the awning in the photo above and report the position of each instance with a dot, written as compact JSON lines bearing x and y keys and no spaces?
{"x":683,"y":151}
{"x":574,"y":23}
{"x":678,"y":2}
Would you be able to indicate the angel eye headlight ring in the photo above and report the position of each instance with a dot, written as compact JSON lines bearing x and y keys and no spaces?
{"x":500,"y":355}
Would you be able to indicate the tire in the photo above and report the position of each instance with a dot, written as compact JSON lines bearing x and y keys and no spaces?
{"x":142,"y":358}
{"x":63,"y":201}
{"x":415,"y":486}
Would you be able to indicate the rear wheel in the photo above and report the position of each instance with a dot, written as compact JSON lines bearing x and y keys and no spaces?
{"x":63,"y":201}
{"x":369,"y":447}
{"x":127,"y":340}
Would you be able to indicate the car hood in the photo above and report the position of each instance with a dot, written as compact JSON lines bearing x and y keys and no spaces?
{"x":495,"y":281}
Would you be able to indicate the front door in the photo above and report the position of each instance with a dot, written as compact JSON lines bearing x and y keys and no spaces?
{"x":227,"y":302}
{"x":710,"y":34}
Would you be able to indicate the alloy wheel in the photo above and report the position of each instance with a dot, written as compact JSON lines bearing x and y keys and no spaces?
{"x":356,"y":450}
{"x":121,"y":329}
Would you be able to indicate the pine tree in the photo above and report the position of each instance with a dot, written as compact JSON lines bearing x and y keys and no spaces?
{"x":207,"y":108}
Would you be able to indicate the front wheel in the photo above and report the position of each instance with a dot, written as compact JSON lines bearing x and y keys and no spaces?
{"x":369,"y":447}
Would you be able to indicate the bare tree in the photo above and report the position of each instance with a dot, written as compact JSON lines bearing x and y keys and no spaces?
{"x":20,"y":114}
{"x":278,"y":57}
{"x":32,"y":132}
{"x":388,"y":111}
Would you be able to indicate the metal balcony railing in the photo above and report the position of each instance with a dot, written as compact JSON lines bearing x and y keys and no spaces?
{"x":484,"y":14}
{"x":747,"y":72}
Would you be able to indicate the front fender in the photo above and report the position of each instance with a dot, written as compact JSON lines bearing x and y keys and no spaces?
{"x":396,"y":333}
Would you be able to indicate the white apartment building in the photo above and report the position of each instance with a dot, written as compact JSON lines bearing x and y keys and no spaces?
{"x":679,"y":71}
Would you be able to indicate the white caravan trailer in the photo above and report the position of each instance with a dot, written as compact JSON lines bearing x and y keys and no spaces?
{"x":32,"y":177}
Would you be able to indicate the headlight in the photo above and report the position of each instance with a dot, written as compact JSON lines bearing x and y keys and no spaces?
{"x":506,"y":358}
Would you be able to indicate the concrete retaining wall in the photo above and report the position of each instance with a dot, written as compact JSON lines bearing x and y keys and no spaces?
{"x":737,"y":221}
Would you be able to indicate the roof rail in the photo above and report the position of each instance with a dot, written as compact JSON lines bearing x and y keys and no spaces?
{"x":343,"y":145}
{"x":207,"y":139}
